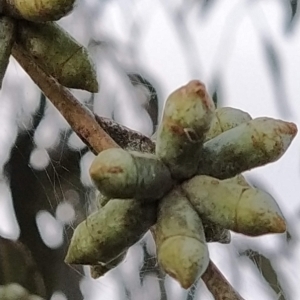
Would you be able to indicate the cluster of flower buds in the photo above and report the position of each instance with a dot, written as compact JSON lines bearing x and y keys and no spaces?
{"x":27,"y":25}
{"x":190,"y":192}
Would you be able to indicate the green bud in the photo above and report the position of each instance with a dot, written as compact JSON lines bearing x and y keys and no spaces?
{"x":58,"y":54}
{"x":181,"y":248}
{"x":249,"y":145}
{"x":226,"y":118}
{"x":107,"y":233}
{"x":38,"y":10}
{"x":186,"y":119}
{"x":121,"y":174}
{"x":234,"y":205}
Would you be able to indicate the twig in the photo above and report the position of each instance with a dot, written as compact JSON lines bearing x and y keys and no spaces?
{"x":127,"y":138}
{"x":218,"y":285}
{"x":77,"y":115}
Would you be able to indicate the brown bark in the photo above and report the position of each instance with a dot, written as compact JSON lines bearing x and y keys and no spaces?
{"x":77,"y":115}
{"x":218,"y":284}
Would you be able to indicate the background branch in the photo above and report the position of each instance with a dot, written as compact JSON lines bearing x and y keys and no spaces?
{"x":218,"y":285}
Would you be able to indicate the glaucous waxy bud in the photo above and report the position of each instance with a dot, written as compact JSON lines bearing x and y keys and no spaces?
{"x":225,"y":118}
{"x":249,"y":145}
{"x":58,"y":54}
{"x":102,"y":268}
{"x":107,"y":233}
{"x":234,"y":205}
{"x":186,"y":119}
{"x":181,"y":248}
{"x":38,"y":10}
{"x":7,"y":38}
{"x":121,"y":174}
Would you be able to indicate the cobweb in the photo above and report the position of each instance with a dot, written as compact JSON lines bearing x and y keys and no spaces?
{"x":143,"y":50}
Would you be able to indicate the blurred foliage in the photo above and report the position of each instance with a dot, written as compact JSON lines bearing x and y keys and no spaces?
{"x":267,"y":271}
{"x":33,"y":191}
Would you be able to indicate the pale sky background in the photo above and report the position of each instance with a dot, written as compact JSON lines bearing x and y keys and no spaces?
{"x":142,"y":36}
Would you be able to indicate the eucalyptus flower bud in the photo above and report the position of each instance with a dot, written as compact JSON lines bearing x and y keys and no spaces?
{"x":181,"y":248}
{"x":121,"y":174}
{"x":225,"y":118}
{"x":107,"y":233}
{"x":186,"y":119}
{"x":234,"y":205}
{"x":38,"y":10}
{"x":249,"y":145}
{"x":58,"y":54}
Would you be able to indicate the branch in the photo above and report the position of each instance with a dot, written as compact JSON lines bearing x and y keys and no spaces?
{"x":128,"y":139}
{"x":77,"y":115}
{"x":218,"y":285}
